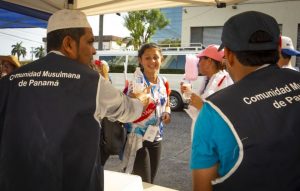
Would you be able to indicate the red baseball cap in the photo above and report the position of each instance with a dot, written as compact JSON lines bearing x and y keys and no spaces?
{"x":212,"y":52}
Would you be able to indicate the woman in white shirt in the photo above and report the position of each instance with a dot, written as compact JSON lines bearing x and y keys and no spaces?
{"x":211,"y":64}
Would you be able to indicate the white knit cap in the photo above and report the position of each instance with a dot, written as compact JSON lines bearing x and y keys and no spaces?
{"x":65,"y":19}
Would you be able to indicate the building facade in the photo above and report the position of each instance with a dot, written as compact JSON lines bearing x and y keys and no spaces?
{"x":173,"y":30}
{"x":204,"y":24}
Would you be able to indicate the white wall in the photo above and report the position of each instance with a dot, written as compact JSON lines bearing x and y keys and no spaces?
{"x":286,"y":13}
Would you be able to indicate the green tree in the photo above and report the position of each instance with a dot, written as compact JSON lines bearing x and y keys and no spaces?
{"x":143,"y":25}
{"x":18,"y":50}
{"x":170,"y":42}
{"x":39,"y":52}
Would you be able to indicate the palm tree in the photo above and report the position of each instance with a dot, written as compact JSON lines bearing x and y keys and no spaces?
{"x":39,"y":52}
{"x":18,"y":50}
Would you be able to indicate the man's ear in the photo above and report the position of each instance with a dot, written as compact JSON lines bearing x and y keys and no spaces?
{"x":69,"y":46}
{"x":229,"y":56}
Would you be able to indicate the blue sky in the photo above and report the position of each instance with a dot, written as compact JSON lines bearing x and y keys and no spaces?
{"x":113,"y":25}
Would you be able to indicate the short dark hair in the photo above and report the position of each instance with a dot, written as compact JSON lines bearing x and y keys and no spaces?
{"x":260,"y":57}
{"x":55,"y":38}
{"x":219,"y":65}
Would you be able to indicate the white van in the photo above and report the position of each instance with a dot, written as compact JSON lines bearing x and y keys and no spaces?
{"x":174,"y":59}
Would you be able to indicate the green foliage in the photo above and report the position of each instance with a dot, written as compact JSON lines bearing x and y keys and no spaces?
{"x":170,"y":42}
{"x":143,"y":25}
{"x":119,"y":42}
{"x":18,"y":50}
{"x":39,"y":52}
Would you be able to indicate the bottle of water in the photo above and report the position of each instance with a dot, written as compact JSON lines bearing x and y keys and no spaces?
{"x":138,"y":81}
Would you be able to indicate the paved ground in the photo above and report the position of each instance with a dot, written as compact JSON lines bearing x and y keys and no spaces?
{"x":174,"y":169}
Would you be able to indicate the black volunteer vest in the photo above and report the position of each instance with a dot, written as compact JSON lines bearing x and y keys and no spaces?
{"x":264,"y":110}
{"x":50,"y":139}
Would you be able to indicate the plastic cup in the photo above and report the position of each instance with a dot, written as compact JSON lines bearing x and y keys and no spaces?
{"x":188,"y":91}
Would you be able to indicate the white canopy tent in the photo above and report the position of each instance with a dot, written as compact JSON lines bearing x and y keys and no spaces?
{"x":98,"y":7}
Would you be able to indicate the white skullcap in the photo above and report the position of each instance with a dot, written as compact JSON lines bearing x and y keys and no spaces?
{"x":65,"y":19}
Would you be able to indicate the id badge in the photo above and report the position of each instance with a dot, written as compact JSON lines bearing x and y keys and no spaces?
{"x":151,"y":133}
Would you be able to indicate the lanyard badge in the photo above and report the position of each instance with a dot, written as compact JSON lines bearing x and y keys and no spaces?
{"x":151,"y":133}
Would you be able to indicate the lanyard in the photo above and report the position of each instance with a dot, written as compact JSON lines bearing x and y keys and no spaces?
{"x":161,"y":100}
{"x":152,"y":88}
{"x":148,"y":84}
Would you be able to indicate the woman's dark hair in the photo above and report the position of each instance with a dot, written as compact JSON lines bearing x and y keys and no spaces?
{"x":144,"y":47}
{"x":55,"y":38}
{"x":219,"y":65}
{"x":258,"y":58}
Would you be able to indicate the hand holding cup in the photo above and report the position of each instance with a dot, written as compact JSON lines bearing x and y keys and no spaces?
{"x":186,"y":89}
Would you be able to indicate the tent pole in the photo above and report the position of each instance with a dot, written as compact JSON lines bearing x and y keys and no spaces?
{"x":100,"y":42}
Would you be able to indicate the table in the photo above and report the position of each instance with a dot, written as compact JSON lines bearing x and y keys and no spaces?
{"x":117,"y":181}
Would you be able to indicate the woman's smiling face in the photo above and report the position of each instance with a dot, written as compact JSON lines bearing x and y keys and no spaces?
{"x":151,"y":60}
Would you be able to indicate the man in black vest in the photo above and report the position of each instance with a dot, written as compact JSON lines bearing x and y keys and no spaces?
{"x":50,"y":111}
{"x":247,"y":135}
